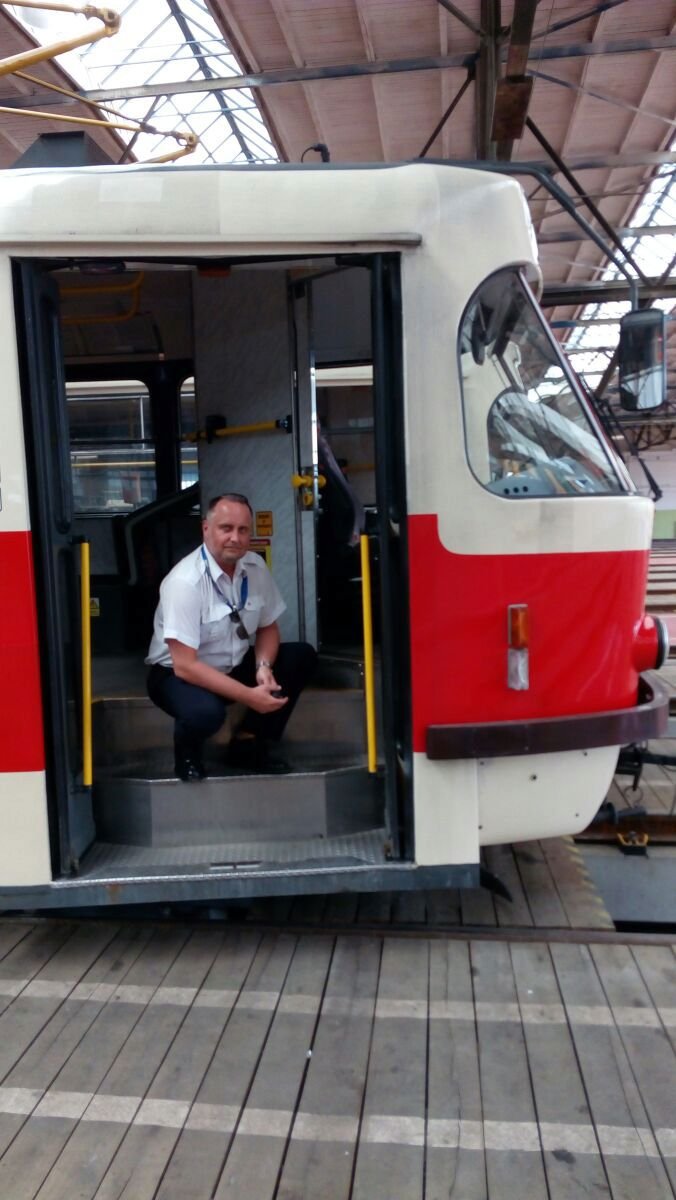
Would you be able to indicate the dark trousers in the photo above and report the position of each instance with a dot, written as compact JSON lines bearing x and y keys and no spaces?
{"x":199,"y":713}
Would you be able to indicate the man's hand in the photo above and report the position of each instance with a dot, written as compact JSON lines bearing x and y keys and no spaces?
{"x":265,"y":678}
{"x":260,"y":698}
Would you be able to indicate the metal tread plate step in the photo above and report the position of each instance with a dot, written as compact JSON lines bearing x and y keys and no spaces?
{"x":316,"y":758}
{"x":154,"y":810}
{"x":105,"y":861}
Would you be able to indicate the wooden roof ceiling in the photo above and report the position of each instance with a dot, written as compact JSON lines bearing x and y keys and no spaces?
{"x":390,"y":116}
{"x":607,"y":108}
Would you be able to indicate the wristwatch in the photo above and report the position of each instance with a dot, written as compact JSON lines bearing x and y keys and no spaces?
{"x":263,"y":662}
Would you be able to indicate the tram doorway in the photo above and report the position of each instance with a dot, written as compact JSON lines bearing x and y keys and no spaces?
{"x":149,"y":387}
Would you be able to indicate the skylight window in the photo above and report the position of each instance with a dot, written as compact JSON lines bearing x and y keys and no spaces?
{"x":162,"y":40}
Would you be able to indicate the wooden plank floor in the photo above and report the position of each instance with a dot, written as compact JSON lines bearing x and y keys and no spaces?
{"x":548,"y":882}
{"x":184,"y":1063}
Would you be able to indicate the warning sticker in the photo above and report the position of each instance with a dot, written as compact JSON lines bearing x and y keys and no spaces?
{"x":261,"y":546}
{"x":94,"y":606}
{"x":264,"y":524}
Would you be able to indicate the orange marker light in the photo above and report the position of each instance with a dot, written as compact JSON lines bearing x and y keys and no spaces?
{"x":518,"y":626}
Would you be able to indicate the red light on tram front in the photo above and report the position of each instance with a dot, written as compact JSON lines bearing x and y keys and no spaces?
{"x":651,"y":644}
{"x":518,"y":626}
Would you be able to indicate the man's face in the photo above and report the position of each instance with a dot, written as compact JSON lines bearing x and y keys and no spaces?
{"x":227,"y":532}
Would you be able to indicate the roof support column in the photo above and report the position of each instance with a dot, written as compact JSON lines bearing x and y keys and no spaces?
{"x":487,"y":75}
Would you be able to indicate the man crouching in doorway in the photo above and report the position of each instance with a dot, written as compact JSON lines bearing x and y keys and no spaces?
{"x":212,"y":604}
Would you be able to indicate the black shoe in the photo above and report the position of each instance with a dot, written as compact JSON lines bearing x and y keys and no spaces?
{"x":253,"y":755}
{"x":189,"y":769}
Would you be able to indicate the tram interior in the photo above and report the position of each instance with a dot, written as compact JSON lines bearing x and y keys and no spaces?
{"x":155,"y":354}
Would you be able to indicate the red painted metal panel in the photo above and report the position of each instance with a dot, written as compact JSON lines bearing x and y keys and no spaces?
{"x":585,"y":612}
{"x":21,"y":732}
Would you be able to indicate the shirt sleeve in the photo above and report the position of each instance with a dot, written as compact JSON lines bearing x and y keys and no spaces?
{"x":273,"y":606}
{"x":181,"y":612}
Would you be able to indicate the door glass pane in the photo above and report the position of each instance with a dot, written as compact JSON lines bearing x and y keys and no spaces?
{"x":111,"y":446}
{"x":189,"y":466}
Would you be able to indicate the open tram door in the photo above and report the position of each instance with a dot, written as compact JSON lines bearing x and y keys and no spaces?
{"x":56,"y":565}
{"x":366,"y":293}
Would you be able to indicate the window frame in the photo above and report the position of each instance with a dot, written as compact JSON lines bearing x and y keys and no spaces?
{"x":625,"y":485}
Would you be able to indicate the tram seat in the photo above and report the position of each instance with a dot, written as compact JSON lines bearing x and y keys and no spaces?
{"x":341,"y":522}
{"x":148,"y":543}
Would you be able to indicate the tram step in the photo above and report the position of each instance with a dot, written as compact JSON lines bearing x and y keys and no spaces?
{"x":237,"y":808}
{"x":126,"y":727}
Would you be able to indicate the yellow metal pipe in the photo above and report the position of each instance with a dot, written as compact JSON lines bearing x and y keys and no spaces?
{"x":111,"y":24}
{"x":299,"y":481}
{"x":232,"y":431}
{"x":85,"y":602}
{"x":105,"y":318}
{"x":369,"y":674}
{"x":105,"y":289}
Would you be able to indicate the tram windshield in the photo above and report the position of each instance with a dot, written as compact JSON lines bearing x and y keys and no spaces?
{"x":528,"y":431}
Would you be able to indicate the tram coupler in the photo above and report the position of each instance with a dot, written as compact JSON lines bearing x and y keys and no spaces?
{"x":633,"y":843}
{"x":608,"y":814}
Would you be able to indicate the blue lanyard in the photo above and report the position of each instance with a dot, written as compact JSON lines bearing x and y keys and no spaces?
{"x":244,"y":593}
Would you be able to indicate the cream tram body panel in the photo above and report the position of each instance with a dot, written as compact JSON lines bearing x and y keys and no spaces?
{"x":452,"y":228}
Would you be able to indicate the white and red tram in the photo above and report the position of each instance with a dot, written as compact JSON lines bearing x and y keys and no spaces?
{"x":511,"y":545}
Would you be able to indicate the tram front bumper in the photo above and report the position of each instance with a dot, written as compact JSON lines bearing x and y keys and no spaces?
{"x":549,"y":735}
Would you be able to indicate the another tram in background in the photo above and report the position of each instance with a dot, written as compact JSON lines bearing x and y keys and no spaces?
{"x":508,"y":545}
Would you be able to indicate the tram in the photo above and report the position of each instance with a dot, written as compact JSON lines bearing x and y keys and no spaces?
{"x":169,"y":333}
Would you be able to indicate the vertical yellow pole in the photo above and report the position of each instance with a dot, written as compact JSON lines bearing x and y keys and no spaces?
{"x":369,"y":676}
{"x":87,"y":771}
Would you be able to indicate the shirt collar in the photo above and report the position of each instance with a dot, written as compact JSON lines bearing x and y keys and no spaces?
{"x":214,"y":569}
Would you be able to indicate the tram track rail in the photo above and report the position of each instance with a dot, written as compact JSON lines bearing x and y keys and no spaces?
{"x":237,"y":920}
{"x":659,"y":828}
{"x":502,"y":933}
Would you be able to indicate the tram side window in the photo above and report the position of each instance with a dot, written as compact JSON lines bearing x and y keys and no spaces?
{"x":527,"y":429}
{"x":111,"y":446}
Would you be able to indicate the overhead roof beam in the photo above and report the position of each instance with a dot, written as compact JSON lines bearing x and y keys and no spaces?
{"x":577,"y":187}
{"x":354,"y":70}
{"x":461,"y":16}
{"x":514,"y":91}
{"x":449,"y":112}
{"x":599,"y":95}
{"x":571,"y":295}
{"x":576,"y":235}
{"x":596,"y":11}
{"x":487,"y":76}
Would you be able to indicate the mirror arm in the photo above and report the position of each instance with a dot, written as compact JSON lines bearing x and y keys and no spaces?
{"x":611,"y":423}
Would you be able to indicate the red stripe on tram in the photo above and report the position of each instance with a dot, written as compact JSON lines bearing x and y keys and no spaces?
{"x":584,"y":613}
{"x":21,"y":733}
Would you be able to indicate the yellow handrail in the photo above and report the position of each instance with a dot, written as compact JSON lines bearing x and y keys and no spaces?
{"x":369,"y":674}
{"x":85,"y":602}
{"x":104,"y":289}
{"x":234,"y":431}
{"x":307,"y":481}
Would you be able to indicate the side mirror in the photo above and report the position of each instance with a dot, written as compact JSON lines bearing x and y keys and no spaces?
{"x":642,"y":369}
